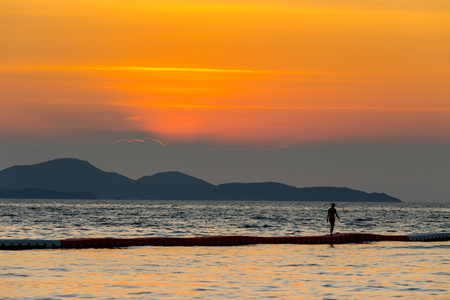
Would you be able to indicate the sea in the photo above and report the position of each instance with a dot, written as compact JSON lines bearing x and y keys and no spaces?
{"x":368,"y":270}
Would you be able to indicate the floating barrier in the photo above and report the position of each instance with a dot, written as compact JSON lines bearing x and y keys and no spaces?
{"x":429,"y":237}
{"x":339,"y":238}
{"x":28,"y":244}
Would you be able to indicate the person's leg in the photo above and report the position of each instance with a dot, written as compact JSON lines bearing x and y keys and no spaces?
{"x":331,"y":227}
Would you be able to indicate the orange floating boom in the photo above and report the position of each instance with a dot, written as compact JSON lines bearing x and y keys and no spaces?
{"x":228,"y":240}
{"x":340,"y":238}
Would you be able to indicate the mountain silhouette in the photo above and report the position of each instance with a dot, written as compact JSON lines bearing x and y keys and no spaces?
{"x":67,"y":175}
{"x":175,"y":185}
{"x":75,"y":177}
{"x":38,"y":193}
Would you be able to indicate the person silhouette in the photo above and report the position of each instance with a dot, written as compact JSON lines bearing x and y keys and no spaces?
{"x":330,"y":217}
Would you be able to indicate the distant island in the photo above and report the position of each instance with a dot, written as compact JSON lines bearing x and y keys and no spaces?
{"x":38,"y":193}
{"x":70,"y":178}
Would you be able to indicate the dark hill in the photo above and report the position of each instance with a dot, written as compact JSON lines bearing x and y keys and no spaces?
{"x":340,"y":194}
{"x":76,"y":176}
{"x":256,"y":191}
{"x":37,"y":193}
{"x":175,"y":185}
{"x":67,"y":175}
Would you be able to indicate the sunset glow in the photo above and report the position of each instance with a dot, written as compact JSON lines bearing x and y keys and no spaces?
{"x":248,"y":72}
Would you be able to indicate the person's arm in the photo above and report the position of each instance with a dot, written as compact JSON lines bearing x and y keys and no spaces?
{"x":338,"y":216}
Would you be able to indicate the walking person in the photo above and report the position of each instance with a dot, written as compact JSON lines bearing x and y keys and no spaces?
{"x":331,"y":217}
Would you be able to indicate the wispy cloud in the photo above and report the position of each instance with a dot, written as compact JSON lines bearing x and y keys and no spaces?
{"x":280,"y":107}
{"x":133,"y":118}
{"x":138,"y":140}
{"x":167,"y":69}
{"x":133,"y":68}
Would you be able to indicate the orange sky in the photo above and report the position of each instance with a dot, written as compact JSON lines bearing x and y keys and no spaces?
{"x":249,"y":72}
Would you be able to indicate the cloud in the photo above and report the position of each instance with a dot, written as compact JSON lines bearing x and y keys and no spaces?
{"x":168,"y":69}
{"x":138,"y":140}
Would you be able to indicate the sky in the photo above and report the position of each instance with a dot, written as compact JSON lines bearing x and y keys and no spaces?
{"x":308,"y":93}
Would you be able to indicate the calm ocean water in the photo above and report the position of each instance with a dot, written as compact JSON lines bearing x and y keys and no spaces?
{"x":378,"y":270}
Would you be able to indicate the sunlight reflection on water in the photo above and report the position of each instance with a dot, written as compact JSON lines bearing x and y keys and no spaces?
{"x":363,"y":271}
